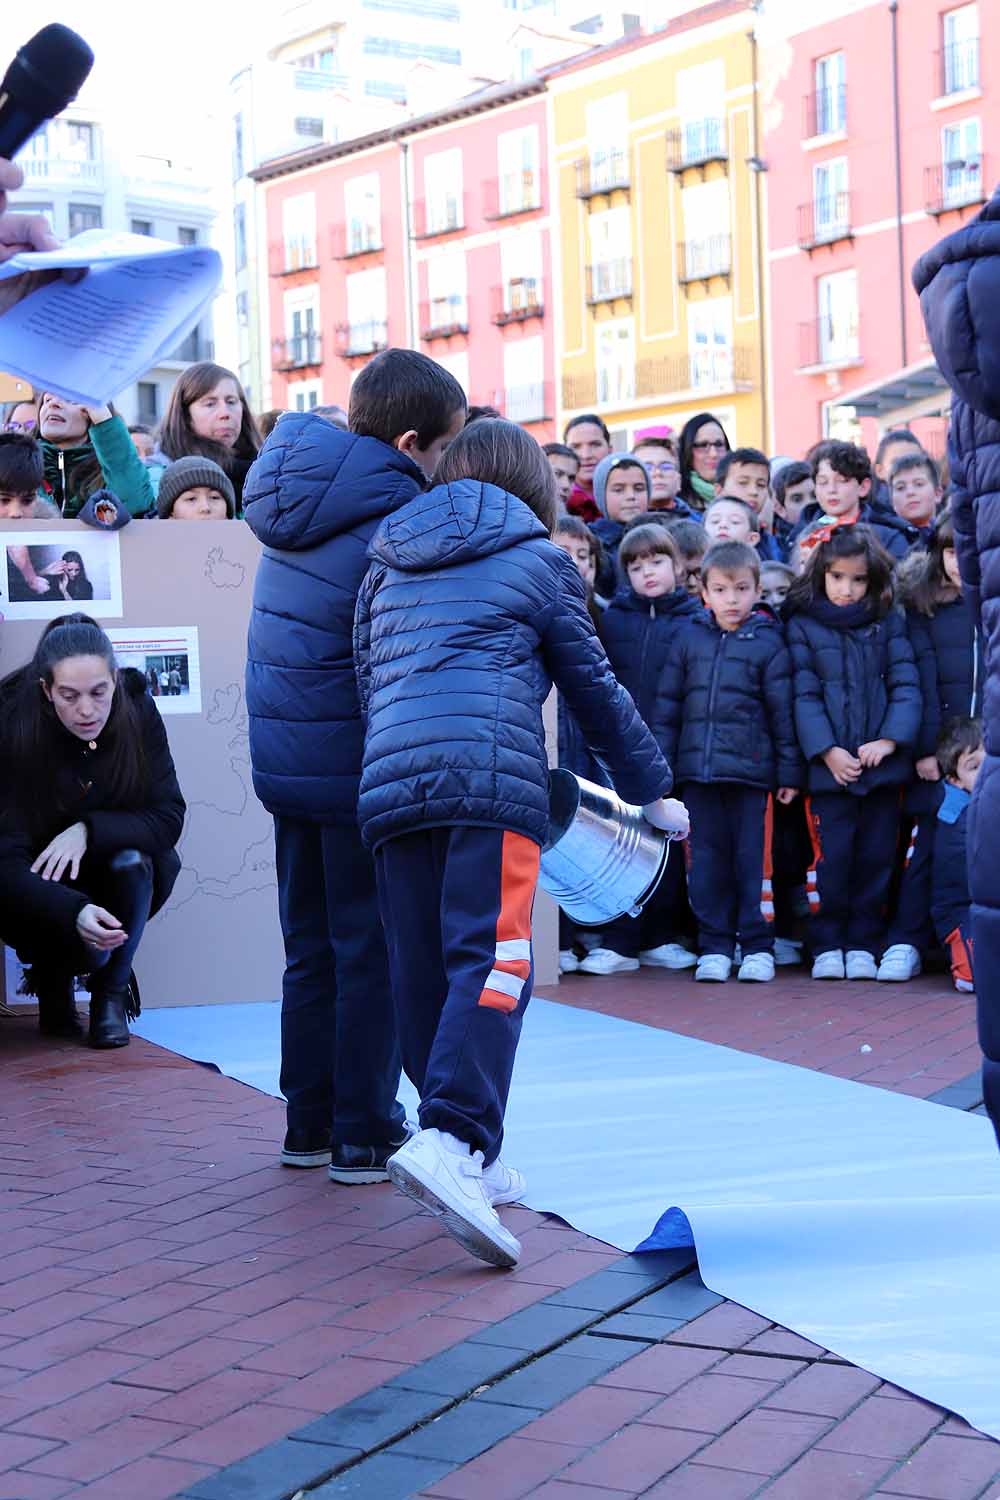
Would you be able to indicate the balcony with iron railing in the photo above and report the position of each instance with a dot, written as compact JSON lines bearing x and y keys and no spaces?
{"x":355,"y":340}
{"x":514,"y":193}
{"x":298,"y":352}
{"x":698,"y":143}
{"x":517,"y":300}
{"x":704,"y":259}
{"x":347,"y":241}
{"x":958,"y":67}
{"x":436,"y":216}
{"x":954,"y":185}
{"x":716,"y":368}
{"x":287,"y":257}
{"x":829,"y":343}
{"x":609,"y":281}
{"x":63,"y":169}
{"x":579,"y":391}
{"x":601,"y":173}
{"x":527,"y":403}
{"x":443,"y":317}
{"x":825,"y":111}
{"x":825,"y":221}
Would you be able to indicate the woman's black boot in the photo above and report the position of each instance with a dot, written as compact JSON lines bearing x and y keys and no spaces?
{"x":108,"y":1026}
{"x":56,"y":1002}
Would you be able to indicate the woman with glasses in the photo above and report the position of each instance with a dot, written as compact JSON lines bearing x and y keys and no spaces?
{"x":703,"y":442}
{"x":22,"y":417}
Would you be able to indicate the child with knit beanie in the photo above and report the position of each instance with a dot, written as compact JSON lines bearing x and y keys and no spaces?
{"x":621,"y":492}
{"x":195,"y":489}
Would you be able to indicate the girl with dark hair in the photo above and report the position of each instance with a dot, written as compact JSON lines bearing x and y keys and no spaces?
{"x":86,"y":449}
{"x":209,"y":417}
{"x":90,"y":811}
{"x":68,"y":578}
{"x":465,"y":618}
{"x":703,"y":442}
{"x":857,"y":717}
{"x":946,"y":645}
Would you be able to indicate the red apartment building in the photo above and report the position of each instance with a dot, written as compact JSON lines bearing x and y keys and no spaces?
{"x":880,"y":127}
{"x":434,"y":234}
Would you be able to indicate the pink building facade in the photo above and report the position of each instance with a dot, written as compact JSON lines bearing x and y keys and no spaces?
{"x":434,"y":235}
{"x":861,"y":178}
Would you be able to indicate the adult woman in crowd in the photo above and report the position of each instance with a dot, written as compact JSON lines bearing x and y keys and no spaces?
{"x":68,"y":578}
{"x":703,"y":442}
{"x":90,"y":811}
{"x":88,"y":448}
{"x":209,"y":417}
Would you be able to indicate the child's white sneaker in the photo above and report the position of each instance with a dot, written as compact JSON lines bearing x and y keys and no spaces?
{"x":606,"y":961}
{"x":568,"y":961}
{"x":669,"y":956}
{"x":715,"y":967}
{"x":965,"y":987}
{"x":442,"y":1174}
{"x":860,"y":964}
{"x":787,"y":951}
{"x":899,"y":963}
{"x":503,"y":1184}
{"x":758,"y":967}
{"x":829,"y":965}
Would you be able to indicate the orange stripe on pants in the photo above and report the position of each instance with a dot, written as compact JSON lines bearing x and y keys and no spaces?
{"x":960,"y":955}
{"x":520,"y":858}
{"x":767,"y":883}
{"x":812,"y":879}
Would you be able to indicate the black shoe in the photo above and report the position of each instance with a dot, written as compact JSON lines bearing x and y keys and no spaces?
{"x":108,"y":1026}
{"x":305,"y":1147}
{"x":364,"y":1164}
{"x":57,"y":1005}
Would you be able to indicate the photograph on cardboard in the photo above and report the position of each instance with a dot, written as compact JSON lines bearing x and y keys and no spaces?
{"x":50,"y":573}
{"x":167,"y":656}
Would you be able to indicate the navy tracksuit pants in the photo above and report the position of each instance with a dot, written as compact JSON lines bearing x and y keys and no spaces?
{"x":911,"y":922}
{"x":339,"y":1053}
{"x":456,"y":905}
{"x":854,"y":845}
{"x":729,"y":875}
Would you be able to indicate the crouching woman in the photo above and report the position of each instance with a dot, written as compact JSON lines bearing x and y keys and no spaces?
{"x":90,"y":811}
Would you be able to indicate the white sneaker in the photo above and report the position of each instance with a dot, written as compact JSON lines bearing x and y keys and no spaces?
{"x":829,"y":965}
{"x":715,"y":967}
{"x":503,"y":1184}
{"x":757,"y":966}
{"x":965,"y":987}
{"x":606,"y":961}
{"x":568,"y":961}
{"x":786,"y":951}
{"x":899,"y":963}
{"x":859,"y":964}
{"x":441,"y":1173}
{"x":669,"y":956}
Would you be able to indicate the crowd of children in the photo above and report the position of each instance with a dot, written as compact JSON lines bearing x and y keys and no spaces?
{"x":794,"y":633}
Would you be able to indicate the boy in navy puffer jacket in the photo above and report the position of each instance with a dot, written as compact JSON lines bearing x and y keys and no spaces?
{"x":639,"y":629}
{"x":315,"y":497}
{"x":468,"y":613}
{"x":724,"y":720}
{"x":622,"y":491}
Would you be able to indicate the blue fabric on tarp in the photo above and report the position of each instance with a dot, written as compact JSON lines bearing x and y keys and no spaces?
{"x":863,"y":1220}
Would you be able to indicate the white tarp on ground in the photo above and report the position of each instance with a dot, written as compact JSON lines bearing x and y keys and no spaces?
{"x":864,"y":1220}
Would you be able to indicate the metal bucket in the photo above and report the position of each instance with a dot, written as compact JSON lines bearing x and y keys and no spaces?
{"x":602,"y":860}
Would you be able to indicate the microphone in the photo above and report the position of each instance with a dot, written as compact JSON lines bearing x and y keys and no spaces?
{"x":46,"y":75}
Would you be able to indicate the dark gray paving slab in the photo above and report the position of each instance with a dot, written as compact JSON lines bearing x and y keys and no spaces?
{"x":640,"y":1325}
{"x":685,"y":1299}
{"x":460,"y":1369}
{"x":966,"y":1094}
{"x":466,"y":1431}
{"x":277,"y":1472}
{"x":540,"y":1326}
{"x":368,"y":1421}
{"x":555,"y":1377}
{"x":386,"y":1476}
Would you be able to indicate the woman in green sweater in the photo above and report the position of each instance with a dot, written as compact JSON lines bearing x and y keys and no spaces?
{"x":87,"y":449}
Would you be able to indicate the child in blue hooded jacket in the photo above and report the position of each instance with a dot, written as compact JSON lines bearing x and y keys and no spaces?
{"x":468,"y":614}
{"x":622,"y":491}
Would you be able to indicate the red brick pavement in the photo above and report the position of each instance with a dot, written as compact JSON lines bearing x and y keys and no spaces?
{"x":171,"y":1300}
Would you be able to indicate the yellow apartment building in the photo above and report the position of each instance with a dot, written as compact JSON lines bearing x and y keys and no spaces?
{"x":659,"y":264}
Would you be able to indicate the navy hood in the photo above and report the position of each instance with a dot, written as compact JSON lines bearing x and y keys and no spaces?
{"x":958,"y":282}
{"x":311,"y":481}
{"x":677,"y":603}
{"x":452,"y":524}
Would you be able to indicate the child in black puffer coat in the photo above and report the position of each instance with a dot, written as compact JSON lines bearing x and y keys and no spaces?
{"x":945,"y":643}
{"x":857,"y":716}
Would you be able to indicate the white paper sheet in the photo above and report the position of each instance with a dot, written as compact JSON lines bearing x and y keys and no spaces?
{"x":167,"y":653}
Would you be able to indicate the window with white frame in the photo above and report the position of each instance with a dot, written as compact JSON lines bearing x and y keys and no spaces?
{"x":298,"y":224}
{"x":615,"y":361}
{"x":710,"y":343}
{"x":521,"y":271}
{"x":607,"y":139}
{"x":443,"y":208}
{"x":363,"y":213}
{"x":707,"y":242}
{"x":701,"y":103}
{"x":960,"y":49}
{"x":830,"y":99}
{"x":301,"y":313}
{"x":961,"y":163}
{"x":524,"y":380}
{"x":831,"y":217}
{"x":304,"y":395}
{"x":366,"y":310}
{"x":610,"y":252}
{"x":517,"y":163}
{"x":447,"y":291}
{"x":837,"y":307}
